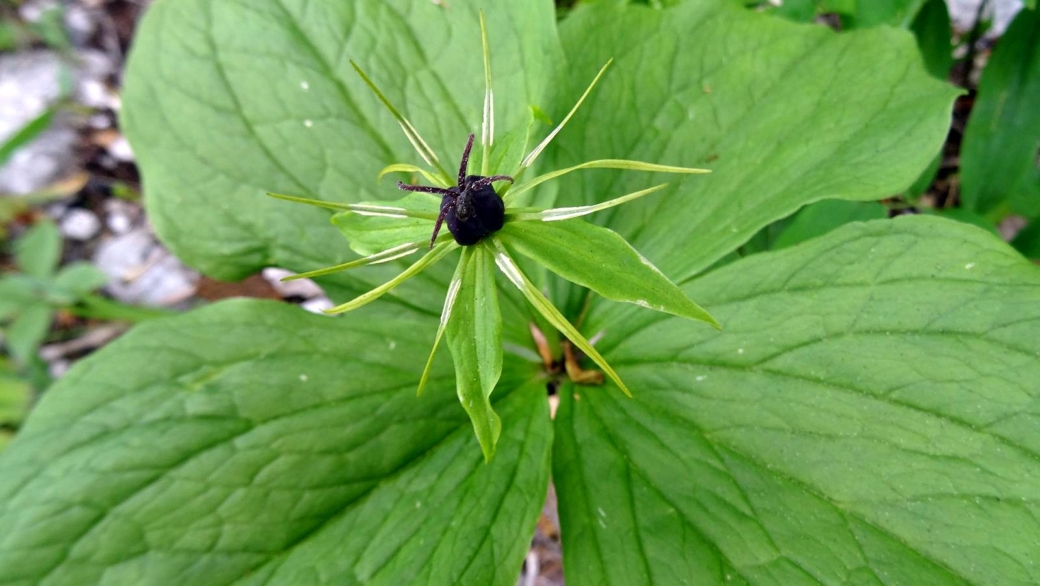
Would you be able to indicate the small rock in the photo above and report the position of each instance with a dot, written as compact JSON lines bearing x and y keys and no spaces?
{"x":99,"y":121}
{"x":95,"y":94}
{"x":79,"y":23}
{"x":33,"y":10}
{"x":58,"y":368}
{"x":304,"y":288}
{"x":119,"y":224}
{"x":80,"y":224}
{"x":29,"y":84}
{"x":1002,"y":12}
{"x":1010,"y":226}
{"x":36,"y":165}
{"x":120,"y":215}
{"x":142,"y":271}
{"x":317,"y":305}
{"x":120,"y":150}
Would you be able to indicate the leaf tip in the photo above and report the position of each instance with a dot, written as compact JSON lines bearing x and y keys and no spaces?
{"x":489,"y":454}
{"x":624,"y":389}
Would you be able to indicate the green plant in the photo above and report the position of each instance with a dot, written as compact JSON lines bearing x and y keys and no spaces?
{"x":999,"y":168}
{"x":493,"y":225}
{"x":14,"y":401}
{"x":864,"y":415}
{"x":29,"y":298}
{"x":48,"y":28}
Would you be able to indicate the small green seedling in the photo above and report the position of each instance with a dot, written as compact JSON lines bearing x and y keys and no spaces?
{"x":29,"y":298}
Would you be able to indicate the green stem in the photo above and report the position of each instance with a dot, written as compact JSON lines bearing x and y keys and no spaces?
{"x":98,"y":307}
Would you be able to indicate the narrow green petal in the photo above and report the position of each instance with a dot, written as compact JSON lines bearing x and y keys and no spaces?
{"x":449,"y":303}
{"x":364,"y":209}
{"x":512,"y":272}
{"x":413,"y":135}
{"x":556,"y":214}
{"x":438,"y":252}
{"x":529,"y":159}
{"x":601,"y":164}
{"x":388,"y":255}
{"x":406,"y":168}
{"x":487,"y":128}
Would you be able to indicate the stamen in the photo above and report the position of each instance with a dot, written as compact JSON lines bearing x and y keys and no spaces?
{"x":485,"y":181}
{"x":424,"y":189}
{"x":465,"y":160}
{"x":440,"y":220}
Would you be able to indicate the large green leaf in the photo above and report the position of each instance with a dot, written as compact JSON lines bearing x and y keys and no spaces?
{"x":823,"y":216}
{"x":1027,"y":241}
{"x":932,"y":29}
{"x":893,"y":12}
{"x":856,"y":13}
{"x":868,"y":415}
{"x":999,"y":170}
{"x":250,"y":442}
{"x":796,"y":10}
{"x":227,"y":100}
{"x":783,"y":114}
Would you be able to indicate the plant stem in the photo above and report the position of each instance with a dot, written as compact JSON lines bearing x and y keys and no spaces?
{"x":98,"y":307}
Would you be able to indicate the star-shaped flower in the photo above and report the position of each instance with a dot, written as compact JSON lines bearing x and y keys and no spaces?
{"x":490,"y":227}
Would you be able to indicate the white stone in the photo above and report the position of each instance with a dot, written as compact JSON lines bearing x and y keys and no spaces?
{"x":120,"y":150}
{"x":317,"y":305}
{"x":962,"y":13}
{"x":305,"y":288}
{"x":120,"y":214}
{"x":80,"y":224}
{"x":142,"y":272}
